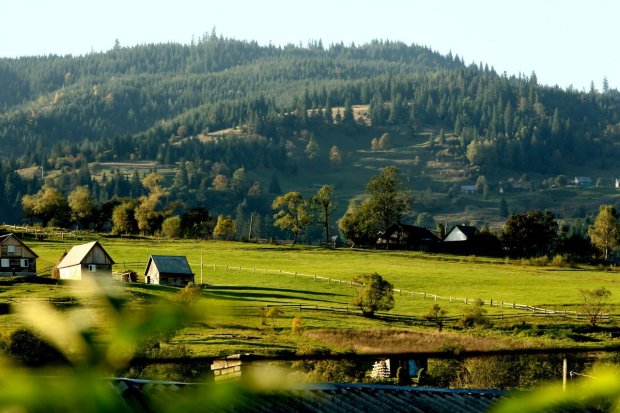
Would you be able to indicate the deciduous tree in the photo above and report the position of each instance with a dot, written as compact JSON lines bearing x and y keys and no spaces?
{"x":374,"y":294}
{"x":293,"y":214}
{"x":389,"y":199}
{"x":531,"y":234}
{"x":605,"y":231}
{"x":81,"y":204}
{"x":225,"y":228}
{"x":323,"y":202}
{"x":593,"y":303}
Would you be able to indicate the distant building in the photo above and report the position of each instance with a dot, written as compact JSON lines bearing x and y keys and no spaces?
{"x":582,"y":181}
{"x":469,"y":189}
{"x":460,"y":233}
{"x":16,"y":258}
{"x":85,"y":260}
{"x":168,"y":270}
{"x":403,"y":236}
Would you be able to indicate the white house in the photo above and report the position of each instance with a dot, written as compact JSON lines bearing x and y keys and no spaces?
{"x":86,"y":260}
{"x":460,"y":233}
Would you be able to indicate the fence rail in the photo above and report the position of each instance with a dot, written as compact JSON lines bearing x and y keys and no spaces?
{"x":509,"y":305}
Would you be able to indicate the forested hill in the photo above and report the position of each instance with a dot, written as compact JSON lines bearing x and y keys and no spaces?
{"x":163,"y":102}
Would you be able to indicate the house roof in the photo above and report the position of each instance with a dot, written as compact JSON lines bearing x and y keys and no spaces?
{"x":323,"y":398}
{"x":413,"y":232}
{"x":583,"y":179}
{"x":468,"y":230}
{"x":3,"y":239}
{"x":169,"y":264}
{"x":78,"y":252}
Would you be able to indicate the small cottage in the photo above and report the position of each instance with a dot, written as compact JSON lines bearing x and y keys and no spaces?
{"x":411,"y":237}
{"x":86,"y":260}
{"x":168,"y":270}
{"x":582,"y":181}
{"x":15,"y":257}
{"x":469,"y":189}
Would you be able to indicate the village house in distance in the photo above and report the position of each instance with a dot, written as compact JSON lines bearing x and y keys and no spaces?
{"x":16,"y":258}
{"x":86,"y":260}
{"x":168,"y":270}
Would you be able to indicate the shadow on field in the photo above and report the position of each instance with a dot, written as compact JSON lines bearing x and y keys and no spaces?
{"x":280,"y":290}
{"x":262,"y":294}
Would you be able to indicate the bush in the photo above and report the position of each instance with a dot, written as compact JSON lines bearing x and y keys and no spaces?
{"x":374,"y":294}
{"x":475,"y":316}
{"x":296,"y":325}
{"x":28,"y":348}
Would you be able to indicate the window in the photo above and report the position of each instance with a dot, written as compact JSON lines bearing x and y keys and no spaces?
{"x":23,"y":262}
{"x":10,"y":249}
{"x":4,"y":262}
{"x":92,"y":268}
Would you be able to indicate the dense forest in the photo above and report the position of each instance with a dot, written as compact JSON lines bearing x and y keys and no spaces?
{"x":173,"y":103}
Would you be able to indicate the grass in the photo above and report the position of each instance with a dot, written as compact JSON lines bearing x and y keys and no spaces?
{"x":445,"y":275}
{"x":234,"y":317}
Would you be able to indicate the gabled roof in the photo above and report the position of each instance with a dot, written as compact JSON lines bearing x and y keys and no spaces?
{"x":327,"y":398}
{"x":413,"y":232}
{"x":466,"y":230}
{"x":3,"y":239}
{"x":77,"y":254}
{"x":169,"y":264}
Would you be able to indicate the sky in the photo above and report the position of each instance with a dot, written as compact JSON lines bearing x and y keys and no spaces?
{"x":566,"y":42}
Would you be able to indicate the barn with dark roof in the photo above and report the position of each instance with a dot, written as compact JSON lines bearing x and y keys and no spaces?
{"x":168,"y":270}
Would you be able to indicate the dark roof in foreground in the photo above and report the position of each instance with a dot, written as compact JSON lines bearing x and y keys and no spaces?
{"x":321,"y":398}
{"x":169,"y":264}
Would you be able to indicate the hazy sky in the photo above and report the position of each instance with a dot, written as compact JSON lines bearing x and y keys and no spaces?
{"x":565,"y":41}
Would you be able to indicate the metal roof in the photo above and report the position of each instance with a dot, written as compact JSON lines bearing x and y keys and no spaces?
{"x":169,"y":264}
{"x":319,"y":398}
{"x":77,"y":254}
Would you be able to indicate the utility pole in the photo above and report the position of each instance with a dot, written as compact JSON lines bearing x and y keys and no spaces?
{"x":251,"y":220}
{"x":201,"y":267}
{"x":564,"y":373}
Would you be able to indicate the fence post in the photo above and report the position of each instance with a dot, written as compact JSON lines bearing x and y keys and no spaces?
{"x":491,"y":302}
{"x":450,"y":299}
{"x":425,"y":295}
{"x":435,"y":297}
{"x":314,"y":277}
{"x":466,"y":301}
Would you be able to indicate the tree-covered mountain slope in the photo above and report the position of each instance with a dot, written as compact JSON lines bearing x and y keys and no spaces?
{"x":290,"y":112}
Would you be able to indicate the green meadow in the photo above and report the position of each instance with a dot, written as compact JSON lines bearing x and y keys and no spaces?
{"x":243,"y":279}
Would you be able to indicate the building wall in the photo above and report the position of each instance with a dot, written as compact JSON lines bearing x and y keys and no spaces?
{"x":12,"y":254}
{"x":77,"y":272}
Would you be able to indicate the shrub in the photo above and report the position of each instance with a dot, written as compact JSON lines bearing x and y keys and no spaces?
{"x":373,"y":295}
{"x":28,"y":348}
{"x":475,"y":316}
{"x":188,"y":295}
{"x":296,"y":325}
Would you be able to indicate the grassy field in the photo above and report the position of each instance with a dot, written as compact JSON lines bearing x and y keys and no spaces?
{"x":239,"y":288}
{"x":464,"y":277}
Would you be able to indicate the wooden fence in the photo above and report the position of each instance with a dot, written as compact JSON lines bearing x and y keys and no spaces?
{"x":512,"y":305}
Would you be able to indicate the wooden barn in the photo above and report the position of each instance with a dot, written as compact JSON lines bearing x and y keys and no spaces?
{"x":86,"y":260}
{"x":168,"y":270}
{"x":16,"y":258}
